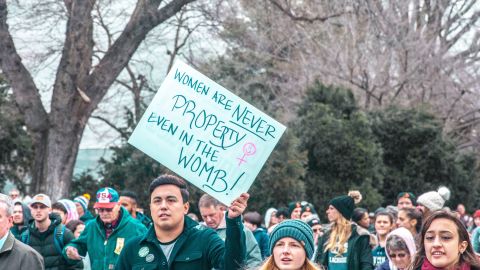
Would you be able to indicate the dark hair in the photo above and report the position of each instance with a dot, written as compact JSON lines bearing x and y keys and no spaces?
{"x":467,"y":257}
{"x":73,"y":224}
{"x":413,"y":213}
{"x":130,"y":194}
{"x":253,"y":217}
{"x":59,"y":206}
{"x":168,"y":179}
{"x":282,"y":211}
{"x":207,"y":201}
{"x":385,"y":213}
{"x":396,"y":243}
{"x":408,"y":195}
{"x":358,"y":214}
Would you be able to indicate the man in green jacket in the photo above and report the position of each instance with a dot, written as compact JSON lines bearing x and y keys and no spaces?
{"x":175,"y":241}
{"x":128,"y":199}
{"x":105,"y":237}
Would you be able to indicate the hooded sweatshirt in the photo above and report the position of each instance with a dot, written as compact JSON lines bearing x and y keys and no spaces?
{"x":268,"y":216}
{"x":18,"y":229}
{"x":407,"y":237}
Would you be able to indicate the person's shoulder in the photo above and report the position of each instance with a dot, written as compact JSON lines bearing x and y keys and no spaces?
{"x":360,"y":231}
{"x":134,"y":241}
{"x":25,"y":249}
{"x":384,"y":266}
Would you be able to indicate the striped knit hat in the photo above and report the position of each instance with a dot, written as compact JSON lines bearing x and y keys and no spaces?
{"x":295,"y":229}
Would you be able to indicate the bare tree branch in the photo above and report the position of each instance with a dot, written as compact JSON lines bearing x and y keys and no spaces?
{"x":26,"y":92}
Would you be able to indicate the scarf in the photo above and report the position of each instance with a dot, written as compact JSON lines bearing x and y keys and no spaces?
{"x":426,"y":265}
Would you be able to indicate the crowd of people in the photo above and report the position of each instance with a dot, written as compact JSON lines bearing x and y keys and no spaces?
{"x":412,"y":233}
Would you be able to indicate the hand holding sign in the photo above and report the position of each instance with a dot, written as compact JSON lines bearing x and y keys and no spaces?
{"x":238,"y":206}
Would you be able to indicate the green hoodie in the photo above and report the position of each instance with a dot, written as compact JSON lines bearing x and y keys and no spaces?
{"x":104,"y":252}
{"x":196,"y":248}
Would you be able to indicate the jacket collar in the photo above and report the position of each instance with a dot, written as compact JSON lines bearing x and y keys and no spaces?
{"x":188,"y":225}
{"x":8,"y":245}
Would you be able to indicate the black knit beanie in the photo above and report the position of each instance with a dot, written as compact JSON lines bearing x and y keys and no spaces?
{"x":344,"y":204}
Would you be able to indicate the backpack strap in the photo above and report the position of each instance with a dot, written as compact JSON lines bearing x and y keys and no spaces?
{"x":58,"y":238}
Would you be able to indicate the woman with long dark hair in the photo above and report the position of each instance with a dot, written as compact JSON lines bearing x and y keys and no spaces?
{"x":444,"y":244}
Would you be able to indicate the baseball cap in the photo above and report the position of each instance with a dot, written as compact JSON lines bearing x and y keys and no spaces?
{"x":41,"y":198}
{"x":106,"y":198}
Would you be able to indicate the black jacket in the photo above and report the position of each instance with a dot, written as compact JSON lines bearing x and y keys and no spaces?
{"x":44,"y":243}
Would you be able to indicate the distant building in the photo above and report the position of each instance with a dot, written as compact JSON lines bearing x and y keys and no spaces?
{"x":87,"y":160}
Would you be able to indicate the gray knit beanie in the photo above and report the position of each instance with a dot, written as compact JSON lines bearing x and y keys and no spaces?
{"x":295,"y":229}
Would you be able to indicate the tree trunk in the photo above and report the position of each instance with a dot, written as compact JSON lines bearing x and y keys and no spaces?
{"x":60,"y":157}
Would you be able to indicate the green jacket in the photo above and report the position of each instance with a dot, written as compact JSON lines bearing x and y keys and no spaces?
{"x":144,"y":219}
{"x":104,"y":252}
{"x":87,"y":216}
{"x":17,"y":231}
{"x":359,"y":254}
{"x":253,"y":255}
{"x":196,"y":248}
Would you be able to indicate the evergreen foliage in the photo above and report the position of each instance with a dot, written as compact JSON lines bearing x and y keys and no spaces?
{"x":342,"y":151}
{"x":418,"y":158}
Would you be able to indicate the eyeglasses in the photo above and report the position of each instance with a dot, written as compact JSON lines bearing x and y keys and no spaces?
{"x":100,"y":210}
{"x":317,"y":230}
{"x":399,"y":255}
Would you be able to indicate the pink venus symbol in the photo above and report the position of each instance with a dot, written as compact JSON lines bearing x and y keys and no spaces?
{"x":249,"y":149}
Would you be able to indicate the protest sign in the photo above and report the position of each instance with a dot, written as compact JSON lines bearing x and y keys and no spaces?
{"x":206,"y":134}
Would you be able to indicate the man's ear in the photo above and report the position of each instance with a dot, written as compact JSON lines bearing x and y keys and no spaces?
{"x":186,"y":207}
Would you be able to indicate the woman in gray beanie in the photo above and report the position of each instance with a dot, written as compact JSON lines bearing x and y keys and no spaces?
{"x":345,"y":246}
{"x":291,"y":245}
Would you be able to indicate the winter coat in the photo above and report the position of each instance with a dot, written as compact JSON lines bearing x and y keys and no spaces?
{"x":196,"y":248}
{"x":254,"y":256}
{"x":15,"y":255}
{"x":359,"y":253}
{"x":44,"y":243}
{"x":262,"y":238}
{"x":144,"y":220}
{"x":104,"y":252}
{"x":384,"y":266}
{"x":476,"y":240}
{"x":87,"y":216}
